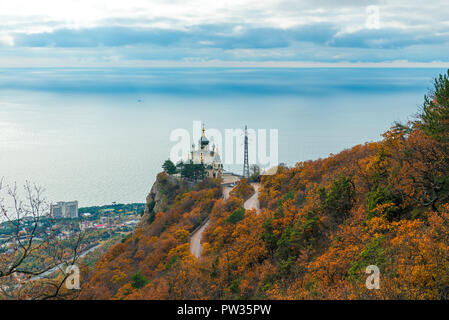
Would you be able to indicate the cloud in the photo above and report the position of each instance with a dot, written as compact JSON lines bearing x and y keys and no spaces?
{"x":388,"y":38}
{"x":6,"y":39}
{"x":100,"y":36}
{"x":228,"y":37}
{"x":215,"y":36}
{"x":203,"y":30}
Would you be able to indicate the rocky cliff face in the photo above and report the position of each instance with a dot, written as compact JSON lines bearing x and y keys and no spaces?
{"x":162,"y":194}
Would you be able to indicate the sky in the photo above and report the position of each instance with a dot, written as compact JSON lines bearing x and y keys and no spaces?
{"x":273,"y":33}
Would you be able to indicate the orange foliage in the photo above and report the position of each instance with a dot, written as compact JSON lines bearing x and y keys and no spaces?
{"x":321,"y":224}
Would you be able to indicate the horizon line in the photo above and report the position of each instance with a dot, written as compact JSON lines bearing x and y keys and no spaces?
{"x":51,"y":63}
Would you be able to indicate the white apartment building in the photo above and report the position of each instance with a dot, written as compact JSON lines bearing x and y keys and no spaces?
{"x":66,"y":210}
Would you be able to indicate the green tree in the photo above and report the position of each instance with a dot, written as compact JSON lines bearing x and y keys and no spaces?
{"x":138,"y":280}
{"x":193,"y":171}
{"x":338,"y":201}
{"x":169,"y":167}
{"x":255,"y":172}
{"x":236,"y":216}
{"x":435,"y":112}
{"x":268,"y":235}
{"x":373,"y":254}
{"x":379,"y":195}
{"x":199,"y":171}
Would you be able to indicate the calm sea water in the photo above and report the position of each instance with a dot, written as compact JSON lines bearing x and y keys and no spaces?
{"x":101,"y":135}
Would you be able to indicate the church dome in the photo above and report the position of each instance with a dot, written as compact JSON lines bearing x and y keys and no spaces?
{"x":204,"y":141}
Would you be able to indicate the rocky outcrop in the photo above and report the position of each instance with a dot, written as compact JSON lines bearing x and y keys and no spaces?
{"x":162,"y":194}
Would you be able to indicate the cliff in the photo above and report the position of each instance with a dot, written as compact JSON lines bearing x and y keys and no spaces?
{"x":161,"y":194}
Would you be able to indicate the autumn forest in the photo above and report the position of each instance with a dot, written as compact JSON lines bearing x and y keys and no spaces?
{"x":321,"y":223}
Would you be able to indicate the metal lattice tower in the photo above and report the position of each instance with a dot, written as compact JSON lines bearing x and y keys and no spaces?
{"x":246,"y":164}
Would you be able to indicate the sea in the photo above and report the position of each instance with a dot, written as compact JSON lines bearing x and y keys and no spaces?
{"x":100,"y":135}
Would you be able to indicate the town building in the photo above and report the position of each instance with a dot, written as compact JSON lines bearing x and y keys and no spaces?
{"x":86,"y":225}
{"x":65,"y":210}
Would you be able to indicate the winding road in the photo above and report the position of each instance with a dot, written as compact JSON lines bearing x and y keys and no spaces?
{"x":252,"y":203}
{"x":58,"y":267}
{"x":195,"y":240}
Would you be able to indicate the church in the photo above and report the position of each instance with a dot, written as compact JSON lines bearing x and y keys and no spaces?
{"x":208,"y":156}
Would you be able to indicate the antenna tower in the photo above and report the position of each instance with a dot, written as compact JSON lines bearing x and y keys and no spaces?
{"x":246,"y":164}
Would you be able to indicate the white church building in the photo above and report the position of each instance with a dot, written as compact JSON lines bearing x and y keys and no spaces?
{"x":209,"y":157}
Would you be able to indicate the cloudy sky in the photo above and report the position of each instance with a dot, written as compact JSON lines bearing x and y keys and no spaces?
{"x":223,"y":32}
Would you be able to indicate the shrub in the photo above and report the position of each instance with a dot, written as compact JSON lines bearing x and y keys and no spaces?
{"x":138,"y":280}
{"x":236,"y":216}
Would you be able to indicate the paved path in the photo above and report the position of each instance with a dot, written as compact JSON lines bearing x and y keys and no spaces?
{"x":54,"y":269}
{"x":226,"y":192}
{"x":195,"y":240}
{"x":229,"y":178}
{"x":58,"y":267}
{"x":252,"y":203}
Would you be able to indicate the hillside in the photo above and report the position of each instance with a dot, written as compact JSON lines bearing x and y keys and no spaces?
{"x":320,"y":225}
